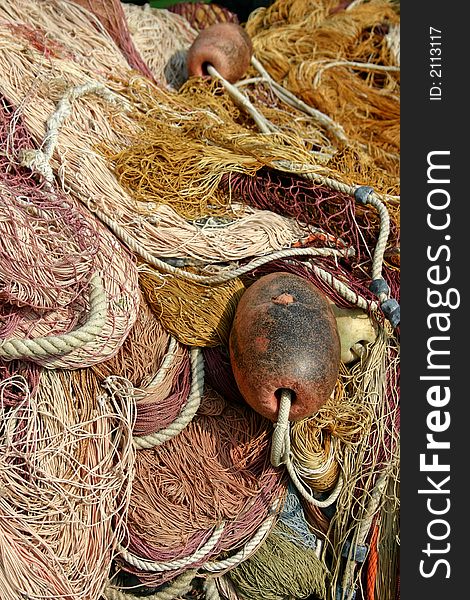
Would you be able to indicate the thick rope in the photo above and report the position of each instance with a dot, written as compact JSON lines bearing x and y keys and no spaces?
{"x":281,"y":454}
{"x":264,"y":125}
{"x":166,"y":363}
{"x":179,"y":586}
{"x":248,"y":548}
{"x":187,"y":412}
{"x":378,"y":286}
{"x":308,"y":495}
{"x":59,"y":345}
{"x":366,"y":195}
{"x":344,"y":290}
{"x":217,"y":278}
{"x":179,"y":563}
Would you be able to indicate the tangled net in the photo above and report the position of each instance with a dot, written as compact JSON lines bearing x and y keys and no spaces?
{"x":341,"y":60}
{"x":228,"y":447}
{"x":137,"y":207}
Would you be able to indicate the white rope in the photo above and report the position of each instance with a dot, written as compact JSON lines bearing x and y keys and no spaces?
{"x":38,"y":160}
{"x":222,"y":276}
{"x":59,"y":345}
{"x":150,"y":566}
{"x":390,"y":307}
{"x":264,"y":125}
{"x":166,"y":363}
{"x":187,"y":412}
{"x":289,"y":98}
{"x":344,"y":290}
{"x":281,"y":455}
{"x":248,"y":548}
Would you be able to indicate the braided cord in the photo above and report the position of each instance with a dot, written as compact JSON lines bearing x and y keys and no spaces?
{"x":217,"y":278}
{"x":58,"y":345}
{"x":187,"y":412}
{"x":281,"y":454}
{"x":365,"y":524}
{"x":38,"y":160}
{"x":248,"y":548}
{"x":166,"y":363}
{"x":179,"y":563}
{"x":344,"y":290}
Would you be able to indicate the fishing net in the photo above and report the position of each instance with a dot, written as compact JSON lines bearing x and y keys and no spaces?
{"x":340,"y":60}
{"x":162,"y":39}
{"x":228,"y":447}
{"x":111,"y":15}
{"x":137,"y":207}
{"x":67,"y":286}
{"x":201,"y":15}
{"x":66,"y":472}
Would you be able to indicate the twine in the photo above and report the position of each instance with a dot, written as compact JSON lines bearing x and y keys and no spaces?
{"x":38,"y":160}
{"x":151,"y":566}
{"x":287,"y":96}
{"x":224,"y":275}
{"x":248,"y":549}
{"x":361,"y":535}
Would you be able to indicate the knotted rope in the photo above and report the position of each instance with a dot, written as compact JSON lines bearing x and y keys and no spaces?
{"x":38,"y":160}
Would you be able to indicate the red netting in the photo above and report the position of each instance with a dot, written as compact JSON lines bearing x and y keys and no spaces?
{"x":50,"y":247}
{"x":200,"y":15}
{"x":334,"y":212}
{"x":226,"y":449}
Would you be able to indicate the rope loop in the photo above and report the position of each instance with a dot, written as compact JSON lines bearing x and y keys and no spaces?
{"x":41,"y":349}
{"x":390,"y":307}
{"x":187,"y":412}
{"x":280,"y":443}
{"x":281,"y":454}
{"x":150,"y":566}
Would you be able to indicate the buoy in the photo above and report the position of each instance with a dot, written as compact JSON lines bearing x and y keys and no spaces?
{"x":284,"y":336}
{"x":225,"y":46}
